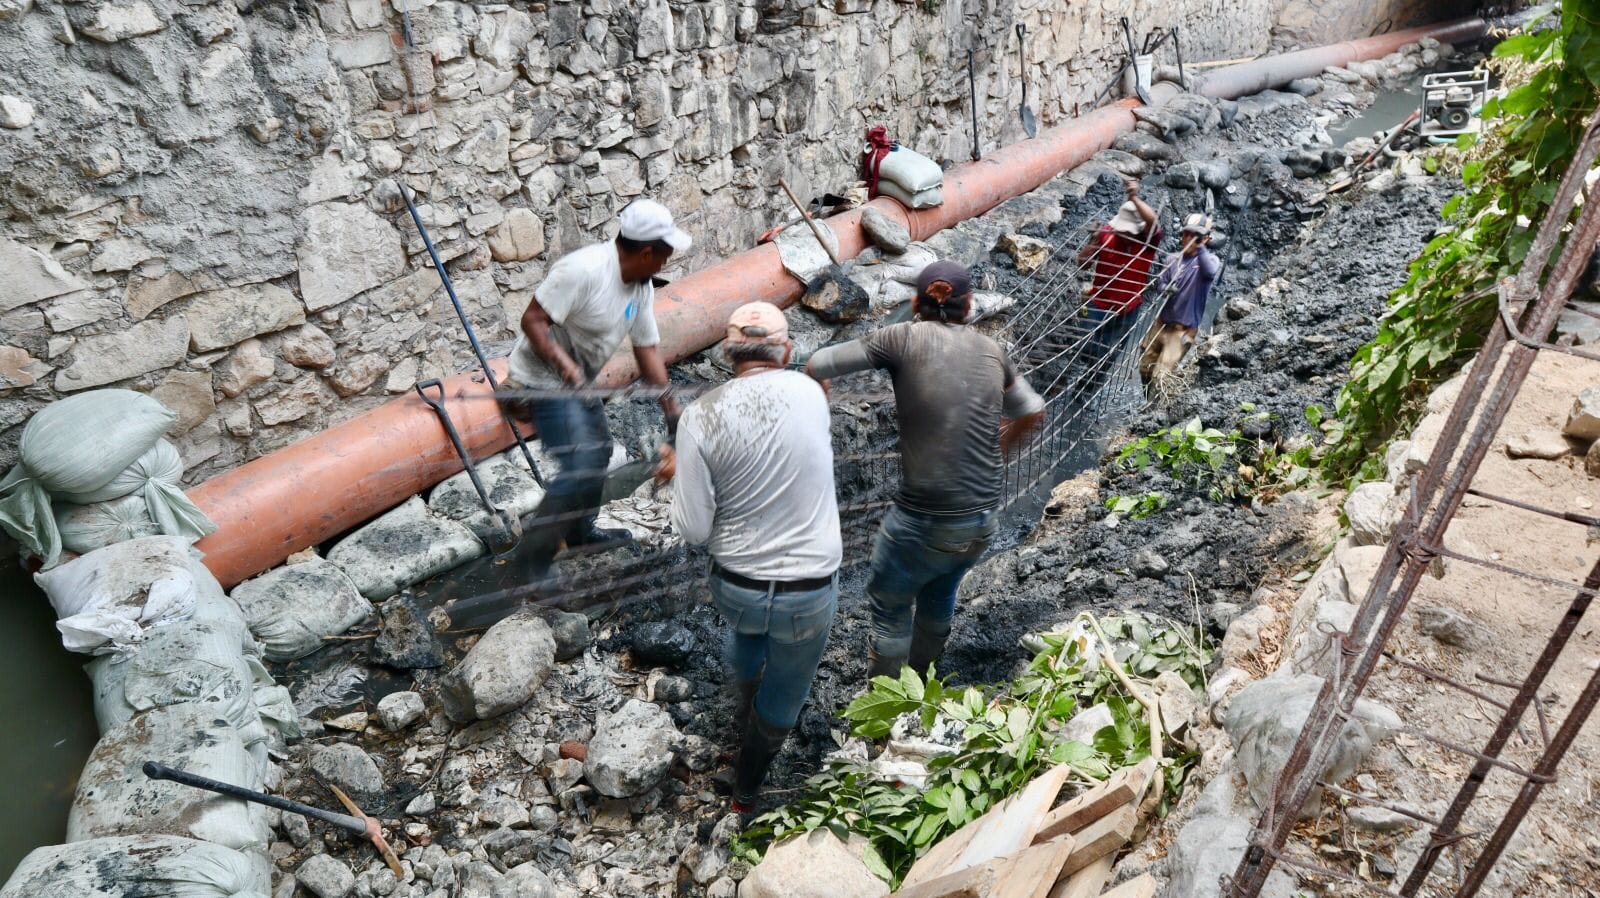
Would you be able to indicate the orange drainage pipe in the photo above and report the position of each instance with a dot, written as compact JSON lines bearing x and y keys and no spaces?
{"x":303,"y":494}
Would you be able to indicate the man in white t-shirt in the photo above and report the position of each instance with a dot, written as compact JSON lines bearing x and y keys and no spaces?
{"x":753,"y":471}
{"x":591,"y":299}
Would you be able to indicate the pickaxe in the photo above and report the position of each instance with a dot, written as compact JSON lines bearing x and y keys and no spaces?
{"x":356,"y":821}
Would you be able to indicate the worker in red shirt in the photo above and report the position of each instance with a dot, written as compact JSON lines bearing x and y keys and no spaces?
{"x":1123,"y":252}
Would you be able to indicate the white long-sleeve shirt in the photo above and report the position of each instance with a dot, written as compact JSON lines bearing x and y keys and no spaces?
{"x":755,"y":477}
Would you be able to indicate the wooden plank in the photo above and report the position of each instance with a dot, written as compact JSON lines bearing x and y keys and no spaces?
{"x":1126,"y":786}
{"x":1006,"y":828}
{"x":1140,"y":887}
{"x":973,"y":882}
{"x":1086,"y":883}
{"x":1033,"y":872}
{"x":1102,"y":838}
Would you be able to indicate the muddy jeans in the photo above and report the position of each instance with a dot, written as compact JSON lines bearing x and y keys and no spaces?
{"x":1166,"y":348}
{"x":918,"y":561}
{"x":575,"y":433}
{"x":778,"y":638}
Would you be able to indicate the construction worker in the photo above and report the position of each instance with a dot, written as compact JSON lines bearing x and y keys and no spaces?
{"x":591,"y":299}
{"x":1186,"y":280}
{"x":754,"y":481}
{"x":1123,"y":252}
{"x":960,"y":404}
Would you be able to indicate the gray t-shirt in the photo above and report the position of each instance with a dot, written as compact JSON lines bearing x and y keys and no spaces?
{"x":755,"y":477}
{"x":951,"y":386}
{"x":592,"y":309}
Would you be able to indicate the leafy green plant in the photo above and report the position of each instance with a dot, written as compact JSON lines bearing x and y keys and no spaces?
{"x":1137,"y":507}
{"x":1191,"y":452}
{"x":1440,"y":316}
{"x":1007,"y":736}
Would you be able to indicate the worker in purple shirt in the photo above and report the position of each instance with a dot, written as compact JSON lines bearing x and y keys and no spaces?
{"x":1186,"y":280}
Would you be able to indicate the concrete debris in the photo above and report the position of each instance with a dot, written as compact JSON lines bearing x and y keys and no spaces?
{"x":502,"y":671}
{"x":1542,"y":444}
{"x":399,"y":710}
{"x":325,"y":876}
{"x":348,"y":767}
{"x":1448,"y":625}
{"x":631,"y":750}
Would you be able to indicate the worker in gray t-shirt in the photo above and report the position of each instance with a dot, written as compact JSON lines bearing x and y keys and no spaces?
{"x":960,"y":405}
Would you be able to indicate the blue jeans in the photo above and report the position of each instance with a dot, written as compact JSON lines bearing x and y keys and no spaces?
{"x":918,"y":561}
{"x":777,"y":638}
{"x":575,"y":433}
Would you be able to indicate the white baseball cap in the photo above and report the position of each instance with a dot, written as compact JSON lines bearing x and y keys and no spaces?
{"x":648,"y":220}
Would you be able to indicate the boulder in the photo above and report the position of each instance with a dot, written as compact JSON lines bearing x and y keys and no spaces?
{"x":570,"y":630}
{"x":1265,"y":719}
{"x":349,"y":768}
{"x":813,"y":865}
{"x":1208,"y":848}
{"x":398,"y":710}
{"x":1030,"y":253}
{"x":835,"y":297}
{"x":1372,"y":510}
{"x":134,"y":350}
{"x":325,"y":876}
{"x":631,"y":750}
{"x":1244,"y":634}
{"x":404,"y":546}
{"x":502,"y":671}
{"x":885,"y":233}
{"x":1317,"y":649}
{"x":221,"y":318}
{"x":1448,"y":625}
{"x":1184,"y":176}
{"x":1583,"y":422}
{"x":1542,"y":444}
{"x":664,"y":643}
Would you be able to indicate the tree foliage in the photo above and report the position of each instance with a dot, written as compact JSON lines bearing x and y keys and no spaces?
{"x":1442,"y":313}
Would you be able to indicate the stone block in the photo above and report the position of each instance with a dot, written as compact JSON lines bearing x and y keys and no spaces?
{"x":814,"y":865}
{"x":358,"y":374}
{"x":1372,"y":510}
{"x":108,"y":358}
{"x":32,"y":276}
{"x":249,"y":364}
{"x":308,"y":347}
{"x":145,"y":295}
{"x":77,"y":309}
{"x":362,"y":51}
{"x":189,"y":395}
{"x":118,"y":22}
{"x":346,"y":249}
{"x":18,"y":368}
{"x":518,"y":238}
{"x":222,"y":318}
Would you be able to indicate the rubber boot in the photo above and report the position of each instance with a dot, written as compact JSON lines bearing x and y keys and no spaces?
{"x":543,"y":533}
{"x":762,"y":742}
{"x":883,"y":665}
{"x":927,"y":648}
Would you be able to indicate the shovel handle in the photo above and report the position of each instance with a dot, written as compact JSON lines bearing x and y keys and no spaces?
{"x":815,"y":228}
{"x":162,"y":772}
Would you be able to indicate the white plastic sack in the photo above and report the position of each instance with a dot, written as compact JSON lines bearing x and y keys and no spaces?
{"x":106,"y":599}
{"x":910,"y":170}
{"x":116,"y":798}
{"x":85,"y":528}
{"x":75,"y":445}
{"x":922,"y":199}
{"x":291,"y":608}
{"x":406,"y":545}
{"x":203,"y":663}
{"x":156,"y":476}
{"x":143,"y":866}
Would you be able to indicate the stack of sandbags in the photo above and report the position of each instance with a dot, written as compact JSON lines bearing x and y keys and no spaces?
{"x":87,"y":450}
{"x":123,"y":866}
{"x":912,"y":178}
{"x":105,"y":600}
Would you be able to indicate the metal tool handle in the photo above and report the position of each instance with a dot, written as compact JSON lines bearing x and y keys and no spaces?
{"x":437,"y":404}
{"x":815,"y":228}
{"x":162,"y":772}
{"x":1022,"y":60}
{"x":972,"y":90}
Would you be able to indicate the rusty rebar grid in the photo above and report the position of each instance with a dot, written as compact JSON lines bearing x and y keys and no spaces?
{"x":1435,"y":499}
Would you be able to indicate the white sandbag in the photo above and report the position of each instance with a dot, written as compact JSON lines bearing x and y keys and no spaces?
{"x":106,"y":599}
{"x":510,"y":484}
{"x":85,"y":528}
{"x":922,"y":199}
{"x":142,"y":866}
{"x":406,"y":545}
{"x":74,"y":445}
{"x":156,"y":475}
{"x":202,"y":663}
{"x":291,"y":608}
{"x":116,"y":798}
{"x":911,"y":170}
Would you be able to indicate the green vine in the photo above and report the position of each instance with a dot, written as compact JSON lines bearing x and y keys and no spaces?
{"x":1440,"y":316}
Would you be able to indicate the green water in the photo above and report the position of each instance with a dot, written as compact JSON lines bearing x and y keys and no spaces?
{"x":46,"y":722}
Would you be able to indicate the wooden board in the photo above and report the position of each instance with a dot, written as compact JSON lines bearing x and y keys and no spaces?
{"x":1086,"y":883}
{"x":1006,"y":828}
{"x":973,"y":882}
{"x":1102,"y":838}
{"x":1140,"y":887}
{"x":1033,"y":873}
{"x":1126,"y":786}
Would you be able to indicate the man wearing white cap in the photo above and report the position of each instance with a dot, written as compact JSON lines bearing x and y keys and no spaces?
{"x":1186,"y":280}
{"x":578,"y":316}
{"x":753,"y":470}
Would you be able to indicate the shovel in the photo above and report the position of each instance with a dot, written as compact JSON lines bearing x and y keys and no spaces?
{"x":972,"y":92}
{"x":1138,"y":85}
{"x":355,"y":822}
{"x":1029,"y":124}
{"x":507,"y":530}
{"x":831,"y":294}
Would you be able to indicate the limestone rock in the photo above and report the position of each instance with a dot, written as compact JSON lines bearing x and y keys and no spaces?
{"x":1583,"y":422}
{"x":74,"y":310}
{"x":146,"y":346}
{"x":1447,"y":625}
{"x":349,"y":768}
{"x":885,"y":233}
{"x":1149,"y":563}
{"x":1085,"y":723}
{"x":571,"y":632}
{"x":518,"y":238}
{"x":13,"y":9}
{"x":1167,"y":122}
{"x":1030,"y":253}
{"x":524,"y":881}
{"x":1372,"y":510}
{"x":502,"y":670}
{"x":404,"y":546}
{"x":290,"y":403}
{"x":15,"y":112}
{"x":121,"y":255}
{"x":222,"y":318}
{"x":32,"y":276}
{"x":398,"y":710}
{"x":813,"y":865}
{"x":114,"y":23}
{"x":358,"y":374}
{"x":835,"y":297}
{"x":1244,"y":634}
{"x":1544,"y":444}
{"x":631,"y":750}
{"x":1146,"y":147}
{"x":189,"y":395}
{"x":325,"y":876}
{"x":308,"y":347}
{"x":249,"y":364}
{"x":1591,"y":459}
{"x":1209,"y":847}
{"x":1379,"y":820}
{"x":1317,"y":649}
{"x":18,"y":368}
{"x":346,"y":249}
{"x":1266,"y":717}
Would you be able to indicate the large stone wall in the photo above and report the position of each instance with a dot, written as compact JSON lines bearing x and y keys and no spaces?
{"x":1317,"y":22}
{"x":197,"y":196}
